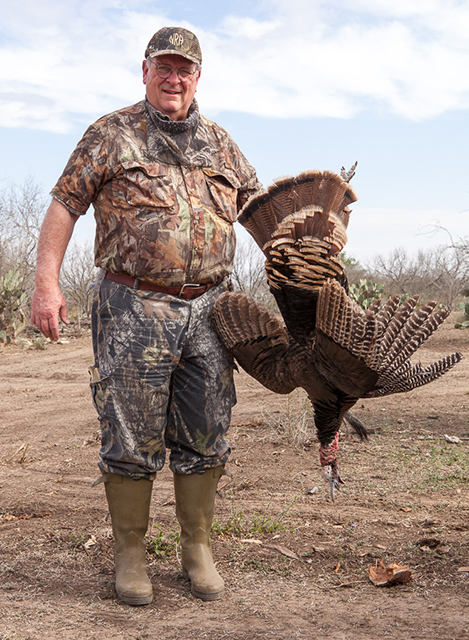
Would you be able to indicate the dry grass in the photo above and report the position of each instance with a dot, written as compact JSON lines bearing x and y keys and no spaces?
{"x":295,"y":425}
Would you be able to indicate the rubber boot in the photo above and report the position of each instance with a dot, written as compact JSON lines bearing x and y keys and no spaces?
{"x":195,"y":497}
{"x":129,"y":504}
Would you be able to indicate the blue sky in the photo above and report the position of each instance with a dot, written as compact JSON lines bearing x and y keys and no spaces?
{"x":299,"y":84}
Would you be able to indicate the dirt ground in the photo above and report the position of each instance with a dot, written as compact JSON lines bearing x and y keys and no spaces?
{"x":295,"y":564}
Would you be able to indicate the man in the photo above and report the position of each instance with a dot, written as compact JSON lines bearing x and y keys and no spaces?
{"x":166,"y":186}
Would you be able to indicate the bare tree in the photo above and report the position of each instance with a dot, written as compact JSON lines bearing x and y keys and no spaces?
{"x":449,"y":270}
{"x":441,"y":273}
{"x":398,"y":272}
{"x":76,"y":277}
{"x":22,"y":210}
{"x":6,"y":259}
{"x":249,"y":271}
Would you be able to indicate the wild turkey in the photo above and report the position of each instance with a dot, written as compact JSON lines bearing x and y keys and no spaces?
{"x":330,"y":347}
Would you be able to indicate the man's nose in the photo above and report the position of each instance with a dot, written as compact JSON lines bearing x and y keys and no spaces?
{"x":173,"y":76}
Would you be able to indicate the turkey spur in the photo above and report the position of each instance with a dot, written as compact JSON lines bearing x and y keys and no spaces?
{"x":329,"y":346}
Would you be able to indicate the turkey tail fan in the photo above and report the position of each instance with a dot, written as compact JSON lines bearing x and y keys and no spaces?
{"x":257,"y":339}
{"x":306,"y":245}
{"x":298,"y":264}
{"x":283,"y":197}
{"x":258,"y":218}
{"x":262,"y":212}
{"x":300,"y":224}
{"x":326,"y":191}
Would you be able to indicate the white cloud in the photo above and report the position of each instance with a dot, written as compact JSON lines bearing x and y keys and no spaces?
{"x":72,"y":61}
{"x":337,"y":57}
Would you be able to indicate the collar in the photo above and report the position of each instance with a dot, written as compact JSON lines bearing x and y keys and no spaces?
{"x":166,"y":124}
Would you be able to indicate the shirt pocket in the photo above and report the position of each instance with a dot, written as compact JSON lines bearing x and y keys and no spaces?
{"x":147,"y":185}
{"x":223,"y":189}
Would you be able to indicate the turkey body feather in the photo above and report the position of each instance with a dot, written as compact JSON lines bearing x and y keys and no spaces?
{"x":327,"y":344}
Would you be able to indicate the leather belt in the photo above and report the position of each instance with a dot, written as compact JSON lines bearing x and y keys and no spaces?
{"x":185,"y":291}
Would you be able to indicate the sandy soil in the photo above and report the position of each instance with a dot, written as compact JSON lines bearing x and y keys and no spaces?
{"x":295,"y":564}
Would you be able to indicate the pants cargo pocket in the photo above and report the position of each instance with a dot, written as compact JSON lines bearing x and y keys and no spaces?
{"x":98,"y":388}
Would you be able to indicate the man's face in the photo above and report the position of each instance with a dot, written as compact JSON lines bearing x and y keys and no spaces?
{"x":172,"y":96}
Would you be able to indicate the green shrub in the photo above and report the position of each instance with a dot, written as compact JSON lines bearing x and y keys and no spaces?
{"x":463,"y":306}
{"x":365,"y":292}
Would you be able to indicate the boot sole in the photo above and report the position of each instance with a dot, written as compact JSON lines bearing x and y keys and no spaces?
{"x":208,"y":597}
{"x":203,"y":595}
{"x":135,"y":601}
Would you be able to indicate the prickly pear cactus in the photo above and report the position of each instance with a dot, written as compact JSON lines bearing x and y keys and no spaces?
{"x":365,"y":292}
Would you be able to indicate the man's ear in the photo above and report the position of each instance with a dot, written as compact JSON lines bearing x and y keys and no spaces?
{"x":145,"y":70}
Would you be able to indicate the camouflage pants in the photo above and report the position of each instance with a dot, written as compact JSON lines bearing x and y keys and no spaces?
{"x":165,"y":381}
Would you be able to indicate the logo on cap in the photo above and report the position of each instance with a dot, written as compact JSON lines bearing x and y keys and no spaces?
{"x":176,"y":39}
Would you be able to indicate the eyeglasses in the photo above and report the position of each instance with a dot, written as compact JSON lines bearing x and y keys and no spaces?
{"x":164,"y":71}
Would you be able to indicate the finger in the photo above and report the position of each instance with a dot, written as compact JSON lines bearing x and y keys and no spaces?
{"x":50,"y":328}
{"x":41,"y":323}
{"x":54,"y":328}
{"x":64,"y":314}
{"x":43,"y":326}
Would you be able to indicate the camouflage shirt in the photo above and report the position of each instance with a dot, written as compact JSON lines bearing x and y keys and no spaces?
{"x":165,"y":194}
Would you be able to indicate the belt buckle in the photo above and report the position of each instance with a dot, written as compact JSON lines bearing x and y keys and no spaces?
{"x":188,"y":285}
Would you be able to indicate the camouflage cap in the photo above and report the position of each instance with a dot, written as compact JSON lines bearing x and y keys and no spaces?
{"x":176,"y":41}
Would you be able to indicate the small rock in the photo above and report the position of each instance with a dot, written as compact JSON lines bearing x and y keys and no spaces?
{"x":452,"y":439}
{"x":443,"y":549}
{"x":430,"y":523}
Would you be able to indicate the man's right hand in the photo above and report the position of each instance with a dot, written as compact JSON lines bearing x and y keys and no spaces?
{"x":48,"y":304}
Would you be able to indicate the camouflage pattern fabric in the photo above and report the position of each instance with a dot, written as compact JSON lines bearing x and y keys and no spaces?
{"x":176,"y":41}
{"x":164,"y":204}
{"x":165,"y":381}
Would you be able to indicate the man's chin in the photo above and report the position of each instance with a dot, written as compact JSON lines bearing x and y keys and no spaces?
{"x":173,"y":111}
